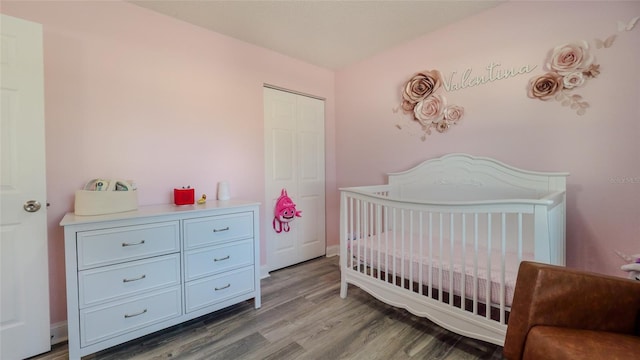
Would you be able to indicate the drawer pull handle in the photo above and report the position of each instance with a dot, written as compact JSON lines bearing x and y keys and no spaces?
{"x":222,"y":288}
{"x":221,"y":259}
{"x":135,"y":279}
{"x":141,"y":242}
{"x":126,"y":316}
{"x":221,"y":230}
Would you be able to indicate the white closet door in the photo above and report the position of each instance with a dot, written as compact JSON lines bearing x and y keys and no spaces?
{"x":294,"y":160}
{"x":24,"y":296}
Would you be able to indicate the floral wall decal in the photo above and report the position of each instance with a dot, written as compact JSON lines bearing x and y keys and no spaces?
{"x":422,"y":98}
{"x":570,"y":66}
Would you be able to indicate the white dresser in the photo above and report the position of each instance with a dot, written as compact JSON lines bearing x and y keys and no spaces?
{"x":134,"y":273}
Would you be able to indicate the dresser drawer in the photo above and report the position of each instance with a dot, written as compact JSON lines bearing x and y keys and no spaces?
{"x":208,"y":291}
{"x":113,"y":282}
{"x":211,"y":260}
{"x":214,"y":229}
{"x":102,"y":322}
{"x":110,"y":246}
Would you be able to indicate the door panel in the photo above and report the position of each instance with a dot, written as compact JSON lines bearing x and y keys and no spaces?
{"x":24,"y":296}
{"x":283,"y":153}
{"x":281,"y":170}
{"x":311,"y":182}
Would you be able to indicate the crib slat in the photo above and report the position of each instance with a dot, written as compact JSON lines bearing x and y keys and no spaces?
{"x":463,"y":274}
{"x":440,"y":259}
{"x":365,"y":234}
{"x":351,"y":233}
{"x":420,"y":254}
{"x":430,"y":275}
{"x":379,"y":235}
{"x":402,"y":253}
{"x":475,"y":263}
{"x":386,"y":243}
{"x":519,"y":237}
{"x":372,"y":235}
{"x":487,"y":285}
{"x":360,"y":232}
{"x":452,"y":256}
{"x":502,"y":266}
{"x":395,"y":243}
{"x":410,"y":259}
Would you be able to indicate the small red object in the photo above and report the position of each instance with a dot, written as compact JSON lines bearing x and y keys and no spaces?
{"x":184,"y":196}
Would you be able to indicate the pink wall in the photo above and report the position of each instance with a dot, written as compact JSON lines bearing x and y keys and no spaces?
{"x":600,"y":149}
{"x":133,"y":94}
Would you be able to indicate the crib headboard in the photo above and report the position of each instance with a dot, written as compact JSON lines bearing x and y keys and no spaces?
{"x":466,"y":177}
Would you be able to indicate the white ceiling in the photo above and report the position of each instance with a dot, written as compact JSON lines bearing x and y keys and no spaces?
{"x":328,"y":33}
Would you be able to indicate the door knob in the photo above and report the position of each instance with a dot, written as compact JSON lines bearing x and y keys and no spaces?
{"x":32,"y":206}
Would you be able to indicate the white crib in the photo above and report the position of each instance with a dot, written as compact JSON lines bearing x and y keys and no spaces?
{"x":444,"y":239}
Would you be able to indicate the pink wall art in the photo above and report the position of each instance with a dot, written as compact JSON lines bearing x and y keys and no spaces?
{"x":569,"y":67}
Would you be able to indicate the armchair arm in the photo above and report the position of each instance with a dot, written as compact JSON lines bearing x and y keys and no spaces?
{"x":557,"y":296}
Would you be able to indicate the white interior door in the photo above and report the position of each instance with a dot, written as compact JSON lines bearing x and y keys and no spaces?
{"x":24,"y":297}
{"x":294,"y":160}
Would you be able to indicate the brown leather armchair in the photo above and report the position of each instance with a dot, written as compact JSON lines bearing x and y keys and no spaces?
{"x":560,"y":313}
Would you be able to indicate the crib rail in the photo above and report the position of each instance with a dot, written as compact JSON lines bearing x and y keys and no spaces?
{"x":454,"y":263}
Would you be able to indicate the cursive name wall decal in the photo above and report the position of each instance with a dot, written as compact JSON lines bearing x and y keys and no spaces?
{"x":493,"y":73}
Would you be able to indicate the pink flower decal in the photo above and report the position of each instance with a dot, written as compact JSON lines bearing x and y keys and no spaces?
{"x":420,"y":86}
{"x":569,"y":58}
{"x":453,"y":113}
{"x":546,"y":86}
{"x":430,"y":109}
{"x":422,"y":99}
{"x":569,"y":67}
{"x":573,"y":79}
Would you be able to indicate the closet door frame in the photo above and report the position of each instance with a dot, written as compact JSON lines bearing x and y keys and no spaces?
{"x":295,"y":161}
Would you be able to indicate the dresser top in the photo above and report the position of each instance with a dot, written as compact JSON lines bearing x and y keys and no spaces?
{"x":155,"y":210}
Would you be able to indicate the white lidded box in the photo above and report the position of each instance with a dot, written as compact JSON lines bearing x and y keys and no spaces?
{"x":108,"y":200}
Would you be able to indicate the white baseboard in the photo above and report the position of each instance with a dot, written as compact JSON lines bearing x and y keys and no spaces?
{"x":264,"y":272}
{"x":333,"y":250}
{"x":59,"y":332}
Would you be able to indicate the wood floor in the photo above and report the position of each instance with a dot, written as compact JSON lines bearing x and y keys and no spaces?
{"x":302,"y":317}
